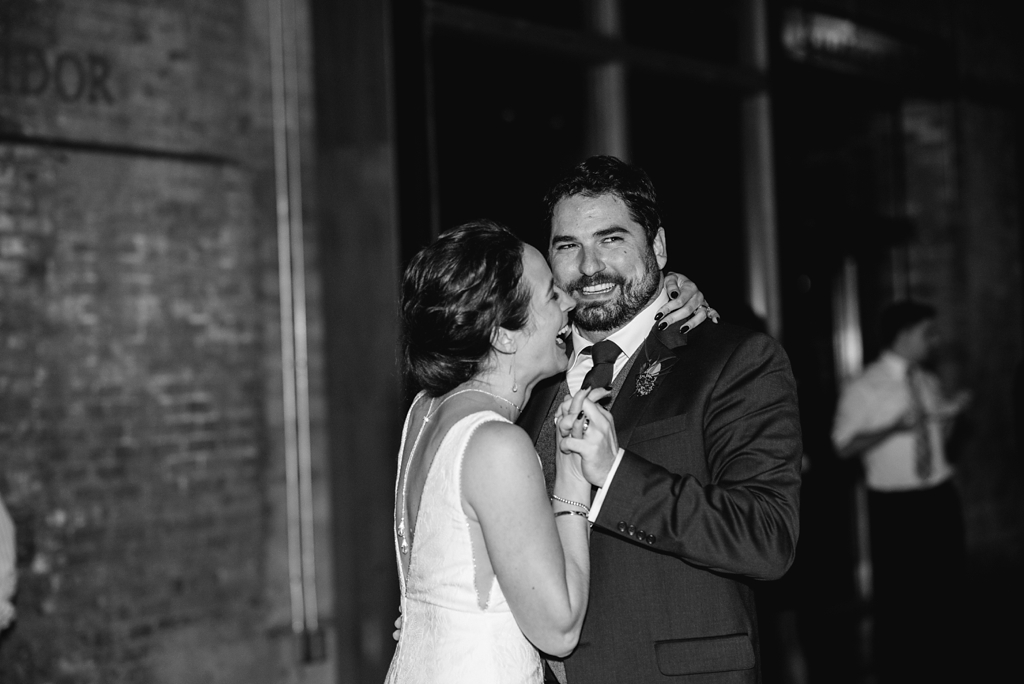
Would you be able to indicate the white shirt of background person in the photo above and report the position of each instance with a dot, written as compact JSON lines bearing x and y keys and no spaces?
{"x":8,"y":569}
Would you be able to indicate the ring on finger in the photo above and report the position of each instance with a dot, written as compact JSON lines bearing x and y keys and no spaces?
{"x":586,"y":423}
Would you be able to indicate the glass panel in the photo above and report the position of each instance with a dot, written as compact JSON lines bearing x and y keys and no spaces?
{"x":509,"y":123}
{"x":567,"y":14}
{"x":687,"y":138}
{"x":702,"y":30}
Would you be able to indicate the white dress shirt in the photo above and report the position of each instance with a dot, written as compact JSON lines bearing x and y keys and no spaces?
{"x":628,"y":338}
{"x":8,"y":571}
{"x":876,"y":400}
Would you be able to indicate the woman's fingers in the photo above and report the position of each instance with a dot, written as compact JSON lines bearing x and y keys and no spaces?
{"x":597,"y":446}
{"x":679,"y":287}
{"x":577,"y":424}
{"x":580,"y":425}
{"x":687,"y":308}
{"x":589,"y":407}
{"x":687,"y":317}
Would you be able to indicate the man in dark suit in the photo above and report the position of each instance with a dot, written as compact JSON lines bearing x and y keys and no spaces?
{"x":702,"y":496}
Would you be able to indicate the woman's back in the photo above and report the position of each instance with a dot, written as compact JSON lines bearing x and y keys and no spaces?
{"x":456,"y":624}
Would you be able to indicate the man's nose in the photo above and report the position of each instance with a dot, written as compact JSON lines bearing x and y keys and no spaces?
{"x":590,"y":263}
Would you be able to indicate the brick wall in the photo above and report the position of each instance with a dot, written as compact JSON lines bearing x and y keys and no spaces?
{"x":963,"y":195}
{"x":136,"y":456}
{"x":139,"y":372}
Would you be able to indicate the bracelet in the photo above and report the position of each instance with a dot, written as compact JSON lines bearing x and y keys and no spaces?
{"x":570,"y":513}
{"x":577,"y":504}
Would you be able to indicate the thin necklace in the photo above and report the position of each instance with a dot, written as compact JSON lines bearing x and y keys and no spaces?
{"x":431,"y":410}
{"x":491,"y":394}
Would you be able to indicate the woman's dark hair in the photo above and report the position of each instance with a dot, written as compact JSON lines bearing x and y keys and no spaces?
{"x":455,"y":293}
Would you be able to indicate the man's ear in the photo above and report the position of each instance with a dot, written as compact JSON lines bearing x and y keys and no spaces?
{"x":660,"y":253}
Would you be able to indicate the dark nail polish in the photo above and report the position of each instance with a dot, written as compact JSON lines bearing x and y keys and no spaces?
{"x":662,"y":325}
{"x":580,"y":417}
{"x":671,"y":295}
{"x":658,"y":316}
{"x":684,"y":329}
{"x":608,"y":387}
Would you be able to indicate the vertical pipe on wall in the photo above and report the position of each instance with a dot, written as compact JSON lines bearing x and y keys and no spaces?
{"x":608,"y":125}
{"x":763,"y":291}
{"x":847,"y":340}
{"x":848,"y":351}
{"x":294,"y":359}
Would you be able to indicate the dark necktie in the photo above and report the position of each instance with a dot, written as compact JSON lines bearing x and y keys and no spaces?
{"x":922,"y":441}
{"x":604,"y":353}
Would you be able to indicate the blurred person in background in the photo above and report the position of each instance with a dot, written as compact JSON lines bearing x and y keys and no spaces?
{"x":896,"y":418}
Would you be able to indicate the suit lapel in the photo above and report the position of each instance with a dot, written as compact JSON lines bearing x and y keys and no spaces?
{"x":630,"y":406}
{"x":537,"y":409}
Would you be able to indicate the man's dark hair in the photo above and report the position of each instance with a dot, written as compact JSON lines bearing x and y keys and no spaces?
{"x":455,"y":293}
{"x":900,"y":316}
{"x":603,"y":175}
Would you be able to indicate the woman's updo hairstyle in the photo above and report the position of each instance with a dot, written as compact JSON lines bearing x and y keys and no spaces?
{"x":455,"y":293}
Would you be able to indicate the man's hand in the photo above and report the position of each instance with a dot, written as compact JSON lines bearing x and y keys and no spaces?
{"x":958,"y":403}
{"x":686,"y":304}
{"x":586,"y":428}
{"x":862,"y":441}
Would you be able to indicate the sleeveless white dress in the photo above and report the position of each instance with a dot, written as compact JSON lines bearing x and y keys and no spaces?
{"x":447,"y":637}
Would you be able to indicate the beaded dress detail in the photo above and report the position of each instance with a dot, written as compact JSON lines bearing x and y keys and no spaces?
{"x":450,"y":633}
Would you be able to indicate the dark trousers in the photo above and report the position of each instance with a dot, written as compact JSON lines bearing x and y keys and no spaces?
{"x":918,"y":557}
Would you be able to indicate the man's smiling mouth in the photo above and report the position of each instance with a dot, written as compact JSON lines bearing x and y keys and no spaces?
{"x":599,"y":289}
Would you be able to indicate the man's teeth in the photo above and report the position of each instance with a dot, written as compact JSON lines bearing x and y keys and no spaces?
{"x":598,"y":289}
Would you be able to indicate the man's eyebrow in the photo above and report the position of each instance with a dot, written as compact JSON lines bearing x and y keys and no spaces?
{"x":603,"y":233}
{"x":611,"y":230}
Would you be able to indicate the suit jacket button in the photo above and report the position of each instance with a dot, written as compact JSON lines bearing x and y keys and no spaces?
{"x":632,"y":530}
{"x":651,"y":539}
{"x":622,"y":526}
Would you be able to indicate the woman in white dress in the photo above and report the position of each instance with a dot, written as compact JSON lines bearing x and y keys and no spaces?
{"x":491,"y":569}
{"x":489,"y":572}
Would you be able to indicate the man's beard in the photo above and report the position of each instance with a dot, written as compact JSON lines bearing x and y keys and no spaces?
{"x":612,"y":314}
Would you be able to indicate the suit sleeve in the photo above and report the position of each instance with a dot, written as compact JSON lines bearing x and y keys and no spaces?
{"x":744,"y":520}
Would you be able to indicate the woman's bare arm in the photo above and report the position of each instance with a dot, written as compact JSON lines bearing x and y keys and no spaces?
{"x":541,"y":561}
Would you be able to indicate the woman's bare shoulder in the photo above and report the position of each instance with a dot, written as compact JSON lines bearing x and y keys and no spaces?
{"x":499,"y":439}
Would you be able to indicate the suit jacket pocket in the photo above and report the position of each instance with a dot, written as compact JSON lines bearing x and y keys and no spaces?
{"x":659,"y":428}
{"x":711,"y":654}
